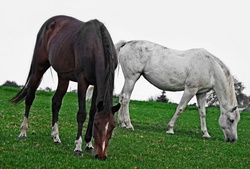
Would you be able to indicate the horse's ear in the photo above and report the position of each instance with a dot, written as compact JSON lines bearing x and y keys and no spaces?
{"x":100,"y":106}
{"x":233,"y":109}
{"x":116,"y":108}
{"x":242,"y":109}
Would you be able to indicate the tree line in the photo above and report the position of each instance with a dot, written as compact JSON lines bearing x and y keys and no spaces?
{"x":211,"y":100}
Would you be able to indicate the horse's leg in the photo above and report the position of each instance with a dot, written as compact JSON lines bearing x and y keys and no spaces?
{"x":81,"y":114}
{"x":201,"y":100}
{"x":34,"y":82}
{"x":124,"y":99}
{"x":89,"y":132}
{"x":186,"y":97}
{"x":56,"y":105}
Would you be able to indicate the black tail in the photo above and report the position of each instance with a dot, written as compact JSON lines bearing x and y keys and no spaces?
{"x":110,"y":64}
{"x":20,"y":96}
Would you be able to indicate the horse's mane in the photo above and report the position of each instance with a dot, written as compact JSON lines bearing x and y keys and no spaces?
{"x":110,"y":64}
{"x":230,"y":89}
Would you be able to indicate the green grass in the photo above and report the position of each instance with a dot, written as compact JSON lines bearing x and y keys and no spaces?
{"x":147,"y":146}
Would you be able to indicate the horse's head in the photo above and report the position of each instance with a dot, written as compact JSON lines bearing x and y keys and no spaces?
{"x":104,"y":123}
{"x":228,"y":121}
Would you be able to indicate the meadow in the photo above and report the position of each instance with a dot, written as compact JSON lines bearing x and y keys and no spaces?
{"x":148,"y":146}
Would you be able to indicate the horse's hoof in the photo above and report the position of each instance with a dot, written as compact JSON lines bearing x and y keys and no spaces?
{"x":89,"y":149}
{"x":78,"y":153}
{"x":130,"y":127}
{"x":123,"y":125}
{"x":206,"y":136}
{"x":170,"y":132}
{"x":22,"y":138}
{"x":58,"y":143}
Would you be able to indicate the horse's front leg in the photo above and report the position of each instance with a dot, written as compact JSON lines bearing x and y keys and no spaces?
{"x":201,"y":100}
{"x":33,"y":84}
{"x":56,"y":105}
{"x":88,"y":136}
{"x":81,"y":114}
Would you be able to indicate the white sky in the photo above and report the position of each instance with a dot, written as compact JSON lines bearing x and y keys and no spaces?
{"x":220,"y":26}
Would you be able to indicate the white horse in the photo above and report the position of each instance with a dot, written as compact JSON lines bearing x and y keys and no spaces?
{"x":193,"y":71}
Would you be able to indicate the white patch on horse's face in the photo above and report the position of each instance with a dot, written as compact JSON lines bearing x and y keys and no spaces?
{"x":106,"y":130}
{"x":103,"y":145}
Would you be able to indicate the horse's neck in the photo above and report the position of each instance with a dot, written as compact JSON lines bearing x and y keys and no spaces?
{"x":226,"y":94}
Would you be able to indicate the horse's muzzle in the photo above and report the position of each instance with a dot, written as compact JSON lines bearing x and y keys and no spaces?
{"x":230,"y":140}
{"x":102,"y":157}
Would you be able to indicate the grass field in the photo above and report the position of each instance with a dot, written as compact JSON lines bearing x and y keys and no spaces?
{"x":147,"y":146}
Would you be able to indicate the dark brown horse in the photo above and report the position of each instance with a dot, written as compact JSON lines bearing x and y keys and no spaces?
{"x":80,"y":52}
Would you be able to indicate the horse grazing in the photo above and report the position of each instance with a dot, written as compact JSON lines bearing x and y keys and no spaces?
{"x":80,"y":52}
{"x":193,"y":71}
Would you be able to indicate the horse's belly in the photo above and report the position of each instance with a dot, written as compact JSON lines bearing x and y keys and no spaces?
{"x":165,"y":82}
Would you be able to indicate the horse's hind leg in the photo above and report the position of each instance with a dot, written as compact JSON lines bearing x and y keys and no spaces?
{"x":124,"y":99}
{"x":56,"y":105}
{"x":186,"y":97}
{"x":33,"y":83}
{"x":201,"y":99}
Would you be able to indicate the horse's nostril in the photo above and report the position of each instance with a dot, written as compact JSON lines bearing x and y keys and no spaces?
{"x":102,"y":158}
{"x":230,"y":140}
{"x":233,"y":140}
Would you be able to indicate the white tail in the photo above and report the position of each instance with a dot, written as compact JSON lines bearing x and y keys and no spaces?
{"x":119,"y":45}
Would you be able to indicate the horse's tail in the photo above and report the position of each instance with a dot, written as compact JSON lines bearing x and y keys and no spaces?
{"x":118,"y":46}
{"x":110,"y":65}
{"x":21,"y":95}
